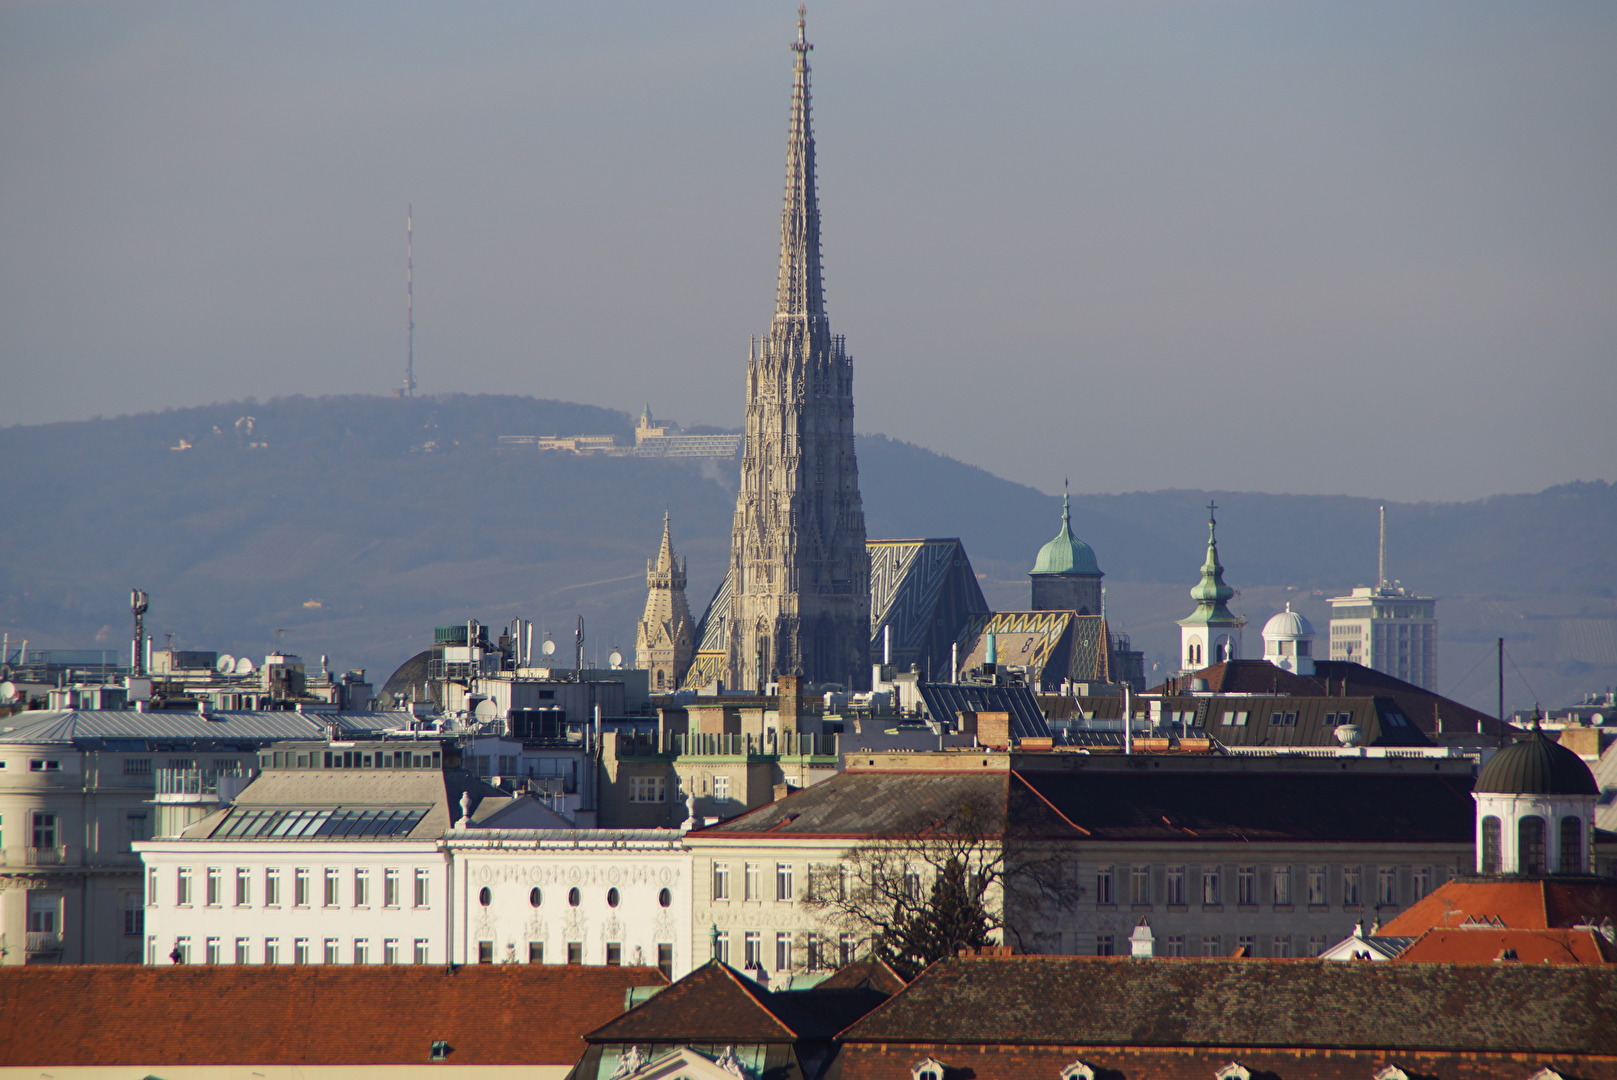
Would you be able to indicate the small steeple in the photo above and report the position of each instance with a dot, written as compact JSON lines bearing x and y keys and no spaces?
{"x":1212,"y":633}
{"x":1210,"y":592}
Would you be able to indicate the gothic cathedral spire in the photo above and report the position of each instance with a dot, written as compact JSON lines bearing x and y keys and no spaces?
{"x":800,"y":576}
{"x":665,"y":639}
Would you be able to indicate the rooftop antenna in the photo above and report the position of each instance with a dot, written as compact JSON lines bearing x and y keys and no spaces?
{"x":1381,"y":553}
{"x":409,"y":299}
{"x":138,"y":604}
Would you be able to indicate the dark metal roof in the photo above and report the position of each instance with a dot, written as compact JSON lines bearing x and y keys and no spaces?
{"x":117,"y":729}
{"x":946,"y":701}
{"x":1536,"y":766}
{"x":1068,"y":1001}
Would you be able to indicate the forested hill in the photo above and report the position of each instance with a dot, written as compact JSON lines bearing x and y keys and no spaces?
{"x":352,"y":525}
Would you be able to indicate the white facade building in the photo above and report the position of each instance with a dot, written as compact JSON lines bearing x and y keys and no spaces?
{"x":572,"y":896}
{"x":1389,"y":629}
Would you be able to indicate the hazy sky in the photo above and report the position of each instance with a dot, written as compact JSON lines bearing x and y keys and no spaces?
{"x":1361,"y":247}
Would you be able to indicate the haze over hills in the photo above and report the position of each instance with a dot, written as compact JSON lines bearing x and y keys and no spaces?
{"x":350,"y":526}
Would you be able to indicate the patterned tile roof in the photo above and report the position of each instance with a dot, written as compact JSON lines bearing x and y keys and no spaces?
{"x":507,"y":1014}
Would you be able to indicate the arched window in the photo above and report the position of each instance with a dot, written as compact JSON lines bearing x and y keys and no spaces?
{"x":1490,"y":845}
{"x":1571,"y":845}
{"x":1530,"y":845}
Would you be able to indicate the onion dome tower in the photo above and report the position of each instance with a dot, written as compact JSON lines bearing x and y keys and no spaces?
{"x":1288,"y":642}
{"x":1065,"y":576}
{"x":1535,"y":810}
{"x":1212,"y":633}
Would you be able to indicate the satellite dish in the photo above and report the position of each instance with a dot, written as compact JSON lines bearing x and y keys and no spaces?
{"x":226,"y":664}
{"x":615,"y":658}
{"x":8,"y":690}
{"x":244,"y":666}
{"x":549,"y":647}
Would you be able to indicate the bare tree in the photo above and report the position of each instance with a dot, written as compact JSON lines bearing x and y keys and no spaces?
{"x":936,"y":885}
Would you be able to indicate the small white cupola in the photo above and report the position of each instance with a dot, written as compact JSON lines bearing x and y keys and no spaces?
{"x":1535,"y":810}
{"x":1288,"y":642}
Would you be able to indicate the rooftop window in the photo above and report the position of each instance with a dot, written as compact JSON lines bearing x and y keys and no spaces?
{"x":281,"y":823}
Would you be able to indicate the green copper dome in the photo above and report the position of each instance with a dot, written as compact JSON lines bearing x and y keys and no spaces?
{"x":1210,"y":593}
{"x":1066,"y":554}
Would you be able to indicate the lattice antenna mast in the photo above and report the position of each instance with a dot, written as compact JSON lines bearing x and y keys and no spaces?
{"x":1381,"y":553}
{"x":409,"y":300}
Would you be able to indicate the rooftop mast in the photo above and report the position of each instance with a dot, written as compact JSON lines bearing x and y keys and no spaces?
{"x":409,"y":300}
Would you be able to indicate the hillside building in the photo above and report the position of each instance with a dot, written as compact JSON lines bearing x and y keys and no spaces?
{"x":1386,"y":627}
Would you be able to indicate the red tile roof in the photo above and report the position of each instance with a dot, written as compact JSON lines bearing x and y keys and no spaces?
{"x":1477,"y":944}
{"x":507,"y":1014}
{"x":714,"y":1001}
{"x":1519,"y":905}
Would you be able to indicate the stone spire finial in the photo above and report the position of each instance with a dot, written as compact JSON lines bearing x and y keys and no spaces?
{"x":800,"y":292}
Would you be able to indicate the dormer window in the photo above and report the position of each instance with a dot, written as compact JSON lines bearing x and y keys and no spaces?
{"x":1233,"y":1071}
{"x":1079,"y":1070}
{"x":927,"y":1069}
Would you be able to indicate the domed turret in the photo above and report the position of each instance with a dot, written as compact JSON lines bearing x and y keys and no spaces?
{"x":1535,"y":810}
{"x":1288,"y":642}
{"x":1065,"y":576}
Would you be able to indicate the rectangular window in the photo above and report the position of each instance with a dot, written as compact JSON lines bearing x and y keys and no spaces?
{"x":134,"y":830}
{"x":847,"y":949}
{"x":44,"y":830}
{"x":1421,"y":881}
{"x":1387,"y":886}
{"x":1282,"y":946}
{"x":1103,"y":886}
{"x":752,"y":950}
{"x":783,"y":882}
{"x":614,"y":953}
{"x":1212,"y":945}
{"x":44,"y":765}
{"x":1280,"y":886}
{"x":43,"y":910}
{"x":244,"y":886}
{"x":331,"y":951}
{"x":1351,"y":878}
{"x":750,"y":882}
{"x":721,"y":881}
{"x":362,"y":951}
{"x":912,"y":885}
{"x":272,"y":887}
{"x":1176,"y":885}
{"x":272,"y":950}
{"x":1175,"y":945}
{"x":536,"y":952}
{"x":138,"y":766}
{"x":215,"y":886}
{"x":423,"y":887}
{"x":390,"y":887}
{"x":151,"y":887}
{"x":1247,"y":945}
{"x":390,"y":950}
{"x":485,"y":952}
{"x":575,"y":952}
{"x":1316,"y":944}
{"x":362,"y":888}
{"x":211,"y":951}
{"x":1316,"y":885}
{"x":182,"y":951}
{"x":300,"y":887}
{"x":646,"y":789}
{"x":1246,"y":885}
{"x":300,"y":950}
{"x":330,"y":896}
{"x":721,"y":946}
{"x":182,"y":886}
{"x":1140,"y":885}
{"x":783,"y":951}
{"x":665,"y":958}
{"x":242,"y":950}
{"x":721,"y":788}
{"x":1212,"y":890}
{"x":1104,"y":945}
{"x":422,"y":954}
{"x":134,"y":916}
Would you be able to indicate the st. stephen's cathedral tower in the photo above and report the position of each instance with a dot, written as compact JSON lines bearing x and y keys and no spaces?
{"x":799,"y":574}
